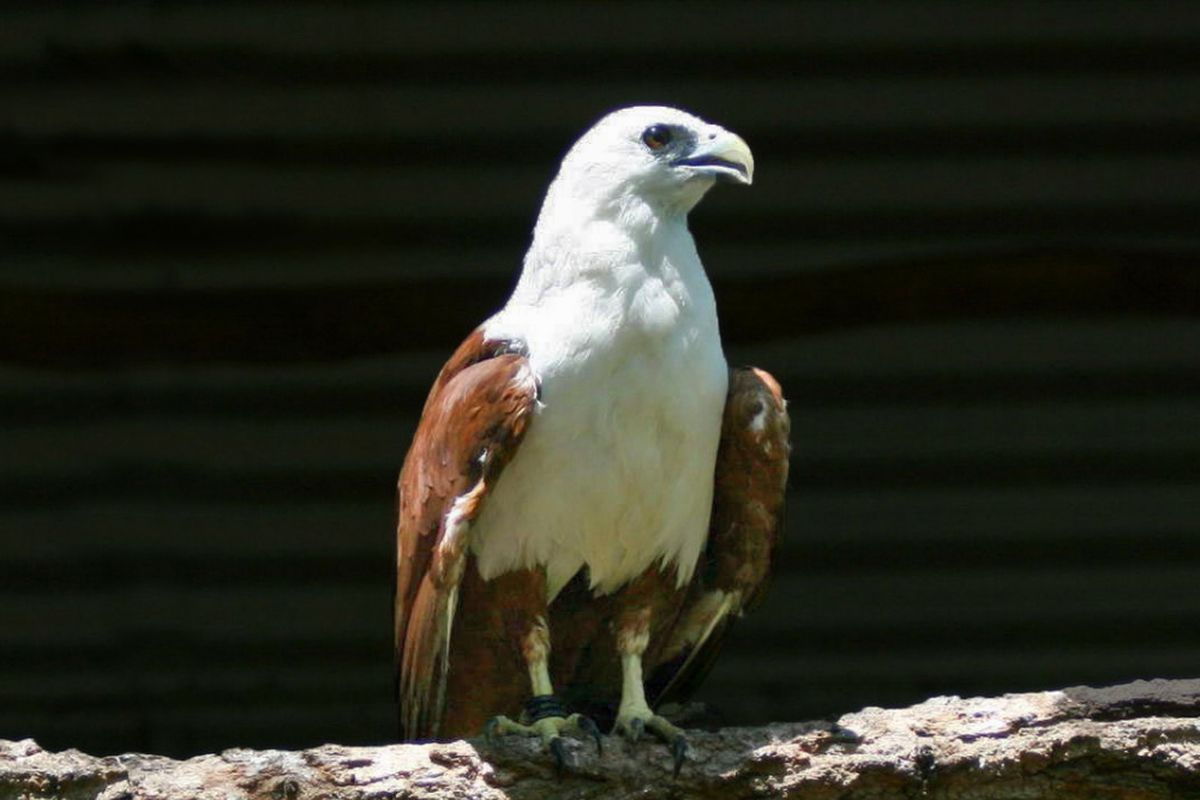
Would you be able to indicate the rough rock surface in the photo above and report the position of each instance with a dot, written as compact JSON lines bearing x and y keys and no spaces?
{"x":1138,"y":740}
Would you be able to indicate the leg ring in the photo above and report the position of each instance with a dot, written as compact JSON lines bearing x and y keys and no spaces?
{"x":541,"y":706}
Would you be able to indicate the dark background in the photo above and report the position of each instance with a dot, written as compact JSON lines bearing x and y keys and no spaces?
{"x":239,"y":238}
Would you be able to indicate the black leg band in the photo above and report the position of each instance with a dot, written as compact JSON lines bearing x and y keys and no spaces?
{"x":541,"y":706}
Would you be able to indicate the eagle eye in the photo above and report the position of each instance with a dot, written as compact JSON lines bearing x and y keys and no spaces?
{"x":656,"y":137}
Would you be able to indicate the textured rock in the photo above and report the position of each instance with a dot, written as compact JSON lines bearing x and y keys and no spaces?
{"x":1138,"y":740}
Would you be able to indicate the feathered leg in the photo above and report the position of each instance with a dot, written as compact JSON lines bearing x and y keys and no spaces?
{"x":544,"y":715}
{"x":633,"y":631}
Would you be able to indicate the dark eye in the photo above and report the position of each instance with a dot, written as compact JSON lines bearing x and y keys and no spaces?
{"x":657,"y":137}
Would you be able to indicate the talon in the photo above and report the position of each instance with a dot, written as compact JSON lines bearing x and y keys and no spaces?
{"x":489,"y":730}
{"x":590,"y":728}
{"x":679,"y":751}
{"x":558,"y":748}
{"x":637,"y":727}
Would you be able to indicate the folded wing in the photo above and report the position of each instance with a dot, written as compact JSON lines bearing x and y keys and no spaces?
{"x":750,"y":482}
{"x":473,"y":422}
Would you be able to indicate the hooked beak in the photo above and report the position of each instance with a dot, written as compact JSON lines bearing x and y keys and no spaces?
{"x":722,"y":154}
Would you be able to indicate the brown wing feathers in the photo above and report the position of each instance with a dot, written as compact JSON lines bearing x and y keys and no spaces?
{"x":750,"y":482}
{"x":474,"y":419}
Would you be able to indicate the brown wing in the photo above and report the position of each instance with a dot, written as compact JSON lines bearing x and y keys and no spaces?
{"x":750,"y":481}
{"x":473,"y":421}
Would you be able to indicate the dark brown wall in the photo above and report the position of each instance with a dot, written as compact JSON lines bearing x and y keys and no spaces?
{"x":238,"y":238}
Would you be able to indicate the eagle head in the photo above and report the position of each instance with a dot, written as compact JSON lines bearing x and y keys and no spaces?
{"x":663,"y":156}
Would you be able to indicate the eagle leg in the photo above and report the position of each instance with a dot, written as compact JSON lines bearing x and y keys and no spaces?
{"x":544,"y":716}
{"x":634,"y":715}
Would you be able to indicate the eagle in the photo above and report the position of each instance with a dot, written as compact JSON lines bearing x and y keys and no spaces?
{"x":591,"y":494}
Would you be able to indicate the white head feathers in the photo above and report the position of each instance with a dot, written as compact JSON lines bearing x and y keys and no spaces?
{"x":658,"y":155}
{"x":623,"y":193}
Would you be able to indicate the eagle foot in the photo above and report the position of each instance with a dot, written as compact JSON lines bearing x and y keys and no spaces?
{"x":633,"y":727}
{"x":550,"y":730}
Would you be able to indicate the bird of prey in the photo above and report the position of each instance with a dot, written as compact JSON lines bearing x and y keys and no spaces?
{"x":591,"y":494}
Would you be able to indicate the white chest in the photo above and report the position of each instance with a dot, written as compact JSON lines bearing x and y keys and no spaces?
{"x":616,"y":470}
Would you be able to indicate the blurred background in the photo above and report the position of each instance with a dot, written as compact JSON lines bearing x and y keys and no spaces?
{"x":238,"y":238}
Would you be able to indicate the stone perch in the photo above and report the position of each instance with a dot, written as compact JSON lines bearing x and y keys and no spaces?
{"x":1134,"y":741}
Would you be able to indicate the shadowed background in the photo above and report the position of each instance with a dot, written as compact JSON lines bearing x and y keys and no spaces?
{"x":237,"y":240}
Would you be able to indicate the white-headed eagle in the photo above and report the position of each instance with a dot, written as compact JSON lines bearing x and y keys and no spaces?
{"x":591,"y":494}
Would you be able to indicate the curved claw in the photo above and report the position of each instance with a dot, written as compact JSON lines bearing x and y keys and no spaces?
{"x":679,"y":752}
{"x":637,"y":727}
{"x":558,"y":748}
{"x":489,"y":730}
{"x":590,"y":728}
